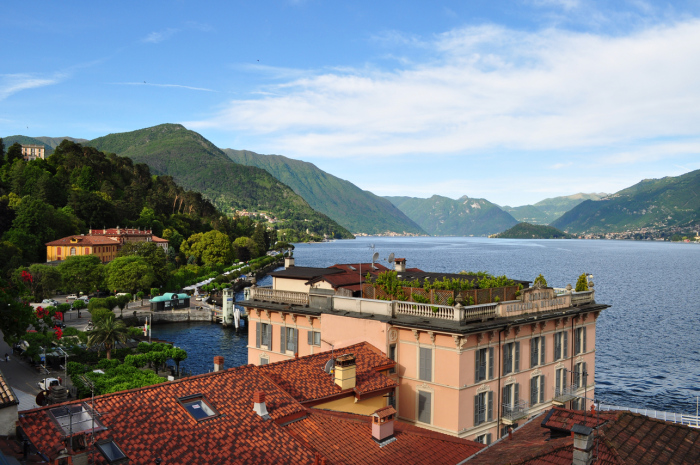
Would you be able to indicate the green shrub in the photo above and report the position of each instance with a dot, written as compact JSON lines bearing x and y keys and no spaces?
{"x":582,"y":283}
{"x":540,"y":280}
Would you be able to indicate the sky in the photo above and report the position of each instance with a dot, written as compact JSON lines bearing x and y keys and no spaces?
{"x":512,"y":101}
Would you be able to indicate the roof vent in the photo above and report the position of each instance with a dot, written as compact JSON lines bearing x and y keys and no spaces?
{"x":259,"y":405}
{"x":400,"y":265}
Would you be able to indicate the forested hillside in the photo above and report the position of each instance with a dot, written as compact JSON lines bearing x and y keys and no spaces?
{"x":548,"y":210}
{"x":357,"y":210}
{"x":651,"y":203}
{"x":442,"y":216}
{"x":195,"y":163}
{"x":532,"y":231}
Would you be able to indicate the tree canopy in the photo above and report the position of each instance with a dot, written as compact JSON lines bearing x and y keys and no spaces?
{"x":129,"y":274}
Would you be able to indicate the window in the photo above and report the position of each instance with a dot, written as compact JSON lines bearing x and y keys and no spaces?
{"x":391,"y":399}
{"x":288,"y":340}
{"x":578,"y":404}
{"x":392,"y":356}
{"x":537,"y":351}
{"x":511,"y":358}
{"x":580,"y":375}
{"x":561,"y":381}
{"x":111,"y":451}
{"x":424,"y":406}
{"x":314,"y":338}
{"x":75,"y":418}
{"x":425,"y":364}
{"x":483,"y":364}
{"x":264,"y":360}
{"x":58,"y":249}
{"x":72,"y":250}
{"x":263,"y":335}
{"x":580,"y":340}
{"x":483,"y":407}
{"x":537,"y":390}
{"x":561,"y":345}
{"x":197,"y":407}
{"x":484,"y":439}
{"x":511,"y":396}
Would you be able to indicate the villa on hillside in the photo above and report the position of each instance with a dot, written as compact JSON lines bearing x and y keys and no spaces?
{"x":33,"y":152}
{"x":103,"y":243}
{"x":470,"y":363}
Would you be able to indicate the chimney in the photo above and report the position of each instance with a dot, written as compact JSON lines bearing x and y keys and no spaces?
{"x":218,"y":363}
{"x":345,"y":368}
{"x":383,"y":425}
{"x":259,"y":405}
{"x":583,"y":445}
{"x":400,"y":265}
{"x":288,"y":262}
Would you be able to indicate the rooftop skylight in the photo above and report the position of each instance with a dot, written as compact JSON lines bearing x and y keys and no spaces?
{"x":197,"y":407}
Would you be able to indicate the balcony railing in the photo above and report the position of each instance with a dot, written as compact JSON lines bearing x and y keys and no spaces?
{"x":280,"y":297}
{"x":515,"y":411}
{"x":425,"y":310}
{"x":562,"y":395}
{"x":581,"y":298}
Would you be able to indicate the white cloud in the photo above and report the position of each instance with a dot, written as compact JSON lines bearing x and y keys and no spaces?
{"x":564,"y":4}
{"x":488,"y":87}
{"x":13,"y":83}
{"x":159,"y":36}
{"x":164,"y":85}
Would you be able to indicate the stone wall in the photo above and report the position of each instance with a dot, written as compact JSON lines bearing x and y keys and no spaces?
{"x":179,"y":316}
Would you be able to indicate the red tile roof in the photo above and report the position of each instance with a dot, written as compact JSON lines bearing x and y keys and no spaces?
{"x":622,"y":438}
{"x":149,"y":422}
{"x":347,"y":439}
{"x":158,"y":239}
{"x":82,"y":241}
{"x":384,"y":412}
{"x":305,"y":380}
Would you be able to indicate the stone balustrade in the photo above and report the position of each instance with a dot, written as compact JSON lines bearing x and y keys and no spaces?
{"x":280,"y":297}
{"x":424,"y":310}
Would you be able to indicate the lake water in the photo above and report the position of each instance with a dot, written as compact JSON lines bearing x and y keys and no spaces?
{"x":648,"y":342}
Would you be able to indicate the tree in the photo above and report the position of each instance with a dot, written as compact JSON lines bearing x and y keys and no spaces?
{"x":2,"y":152}
{"x":79,"y":305}
{"x":155,"y":292}
{"x":174,"y":238}
{"x":158,"y":358}
{"x":122,"y":302}
{"x":100,"y":314}
{"x":129,"y":273}
{"x":582,"y":283}
{"x":540,"y":281}
{"x":46,"y":280}
{"x":211,"y":248}
{"x":245,"y":248}
{"x":261,"y":239}
{"x":107,"y":333}
{"x":152,"y":253}
{"x":111,"y":302}
{"x":178,"y":355}
{"x":15,"y":315}
{"x":14,"y":152}
{"x":82,"y":273}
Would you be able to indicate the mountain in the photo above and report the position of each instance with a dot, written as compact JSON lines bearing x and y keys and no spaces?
{"x":532,"y":231}
{"x":548,"y":210}
{"x":196,"y":164}
{"x":49,"y":143}
{"x":651,"y":203}
{"x":442,"y":216}
{"x":357,"y":210}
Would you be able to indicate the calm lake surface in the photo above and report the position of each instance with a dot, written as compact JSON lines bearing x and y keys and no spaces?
{"x":648,"y":342}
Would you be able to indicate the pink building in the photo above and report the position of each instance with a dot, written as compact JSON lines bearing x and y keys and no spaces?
{"x":469,"y":371}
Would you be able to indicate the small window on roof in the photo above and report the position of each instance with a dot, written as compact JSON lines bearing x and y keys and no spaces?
{"x":197,"y":407}
{"x":111,"y":451}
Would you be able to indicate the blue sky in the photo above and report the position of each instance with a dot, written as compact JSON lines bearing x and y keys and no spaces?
{"x":510,"y":101}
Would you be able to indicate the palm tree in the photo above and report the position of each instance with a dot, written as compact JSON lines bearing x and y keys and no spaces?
{"x":108,"y":332}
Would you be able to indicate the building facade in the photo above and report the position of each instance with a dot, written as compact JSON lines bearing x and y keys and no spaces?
{"x":471,"y":371}
{"x":33,"y":152}
{"x":104,"y":243}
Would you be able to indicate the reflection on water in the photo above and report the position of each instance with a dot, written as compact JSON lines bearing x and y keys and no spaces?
{"x":648,"y":350}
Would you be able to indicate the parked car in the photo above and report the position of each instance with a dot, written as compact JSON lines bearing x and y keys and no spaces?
{"x":71,"y":297}
{"x":50,"y":302}
{"x":85,"y":298}
{"x":46,"y":383}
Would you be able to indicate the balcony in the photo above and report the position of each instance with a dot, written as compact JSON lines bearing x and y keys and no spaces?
{"x":563,"y":395}
{"x":515,"y":412}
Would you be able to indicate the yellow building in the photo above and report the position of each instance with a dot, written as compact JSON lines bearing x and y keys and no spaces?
{"x":71,"y":246}
{"x":33,"y":152}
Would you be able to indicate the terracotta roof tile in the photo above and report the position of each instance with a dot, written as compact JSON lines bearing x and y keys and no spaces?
{"x":347,"y":439}
{"x":305,"y":380}
{"x":560,"y":419}
{"x":83,"y":241}
{"x":7,"y":395}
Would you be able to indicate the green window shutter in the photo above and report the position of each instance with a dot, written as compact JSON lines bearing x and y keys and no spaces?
{"x":533,"y":352}
{"x":543,"y":351}
{"x":425,"y":370}
{"x":577,"y":341}
{"x":516,"y":393}
{"x":310,"y":337}
{"x":506,"y":369}
{"x":566,"y":344}
{"x":477,"y":366}
{"x":533,"y":391}
{"x":541,"y":388}
{"x":257,"y":334}
{"x":490,"y":406}
{"x":516,"y":368}
{"x":584,"y":339}
{"x":283,"y":339}
{"x":488,"y":439}
{"x":476,"y":410}
{"x":296,"y":341}
{"x":269,"y":336}
{"x":557,"y":384}
{"x":490,"y":362}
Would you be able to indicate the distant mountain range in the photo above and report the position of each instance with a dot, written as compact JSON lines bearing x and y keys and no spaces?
{"x":358,"y":210}
{"x":652,"y":203}
{"x":442,"y":216}
{"x":49,"y":143}
{"x":196,"y":164}
{"x":548,"y":210}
